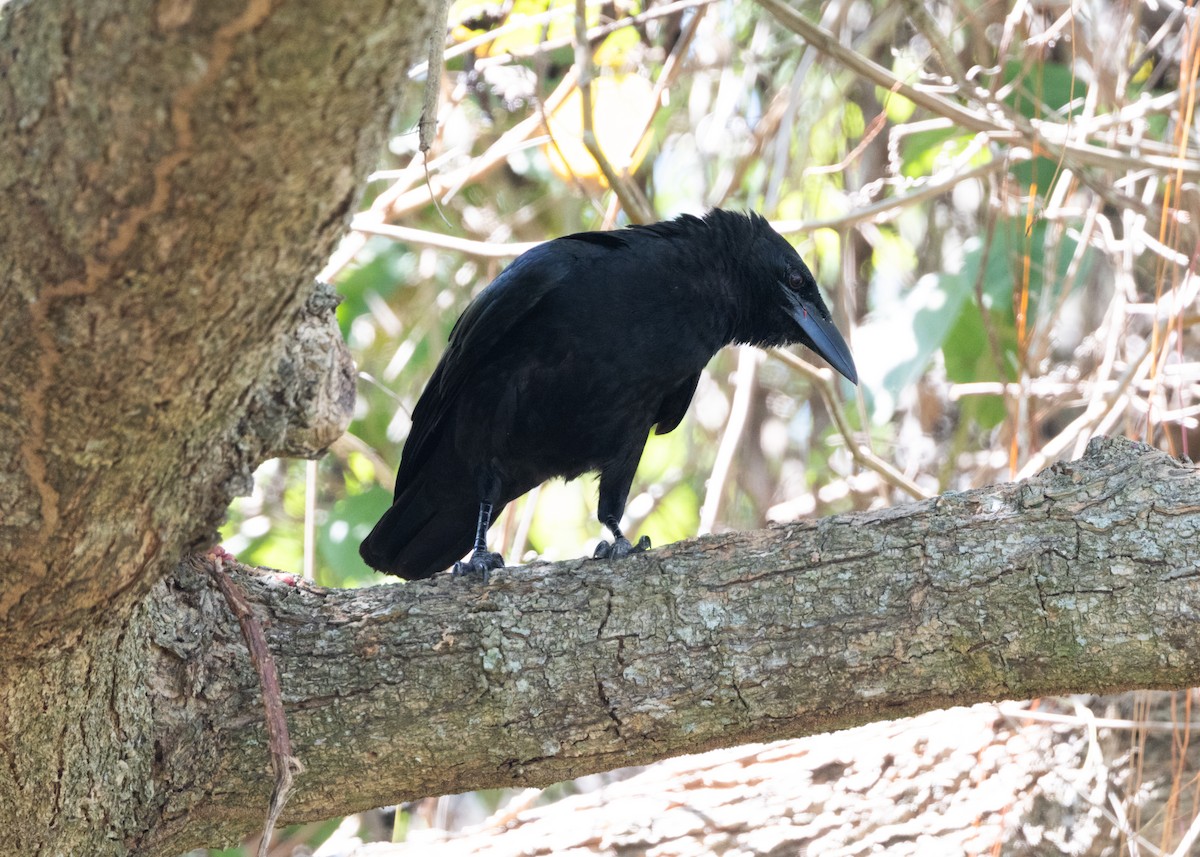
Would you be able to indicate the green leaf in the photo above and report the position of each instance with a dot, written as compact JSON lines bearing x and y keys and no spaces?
{"x":1042,"y":91}
{"x":923,"y":153}
{"x":853,"y":123}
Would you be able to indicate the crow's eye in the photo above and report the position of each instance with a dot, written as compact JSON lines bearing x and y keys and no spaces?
{"x":795,"y":280}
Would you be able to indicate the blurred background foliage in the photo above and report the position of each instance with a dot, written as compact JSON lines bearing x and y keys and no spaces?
{"x":999,"y":200}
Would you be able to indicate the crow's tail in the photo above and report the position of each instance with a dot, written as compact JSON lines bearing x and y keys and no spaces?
{"x":420,"y":535}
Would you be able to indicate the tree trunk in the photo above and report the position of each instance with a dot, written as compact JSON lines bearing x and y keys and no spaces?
{"x":172,"y":175}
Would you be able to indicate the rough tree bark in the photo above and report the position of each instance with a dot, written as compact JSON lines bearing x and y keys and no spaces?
{"x":172,"y":175}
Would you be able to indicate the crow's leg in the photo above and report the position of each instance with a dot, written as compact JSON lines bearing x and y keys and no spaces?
{"x":481,"y":562}
{"x":614,"y":489}
{"x":620,"y":545}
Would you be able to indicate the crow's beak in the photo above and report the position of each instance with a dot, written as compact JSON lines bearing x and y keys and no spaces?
{"x":826,"y":340}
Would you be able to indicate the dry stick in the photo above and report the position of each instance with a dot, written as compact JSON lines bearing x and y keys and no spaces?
{"x":670,"y":71}
{"x":923,"y":21}
{"x":738,"y":412}
{"x":284,"y":765}
{"x":521,"y":538}
{"x":1013,"y":712}
{"x":466,"y":246}
{"x":1114,"y":320}
{"x":1101,"y":414}
{"x":353,"y":243}
{"x":516,"y":23}
{"x":310,"y":520}
{"x":1098,"y":410}
{"x":496,"y":154}
{"x":635,"y":206}
{"x":828,"y":44}
{"x":401,"y":199}
{"x":1046,"y":320}
{"x":729,"y":181}
{"x":1117,"y":816}
{"x":372,"y":223}
{"x":427,"y":126}
{"x":892,"y":206}
{"x":1189,"y":838}
{"x":1051,"y":136}
{"x":823,"y":380}
{"x":869,"y":134}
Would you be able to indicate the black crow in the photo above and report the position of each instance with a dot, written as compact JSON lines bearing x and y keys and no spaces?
{"x":566,"y":361}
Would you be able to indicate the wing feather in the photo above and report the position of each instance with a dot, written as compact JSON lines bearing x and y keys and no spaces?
{"x":490,"y":317}
{"x":675,"y":404}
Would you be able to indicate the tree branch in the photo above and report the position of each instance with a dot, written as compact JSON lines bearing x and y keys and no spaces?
{"x":1085,"y":578}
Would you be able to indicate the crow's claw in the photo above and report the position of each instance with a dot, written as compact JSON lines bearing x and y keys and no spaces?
{"x":620,"y":547}
{"x":479,"y":567}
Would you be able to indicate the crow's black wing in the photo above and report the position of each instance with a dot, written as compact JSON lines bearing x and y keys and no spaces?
{"x":675,"y":404}
{"x":487,"y":320}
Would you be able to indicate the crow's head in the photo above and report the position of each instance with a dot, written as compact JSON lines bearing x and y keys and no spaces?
{"x":789,"y":308}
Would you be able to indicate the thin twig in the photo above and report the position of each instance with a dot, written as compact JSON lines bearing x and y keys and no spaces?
{"x":739,"y":410}
{"x":1052,"y":137}
{"x":284,"y":765}
{"x":466,"y":246}
{"x":1081,"y":427}
{"x":401,"y":198}
{"x":395,"y":207}
{"x":919,"y":15}
{"x":521,"y":538}
{"x":1015,"y":712}
{"x":672,"y":68}
{"x":635,"y":206}
{"x":827,"y":43}
{"x":823,"y":380}
{"x":427,"y":126}
{"x":310,"y":520}
{"x":894,"y":206}
{"x":595,"y":34}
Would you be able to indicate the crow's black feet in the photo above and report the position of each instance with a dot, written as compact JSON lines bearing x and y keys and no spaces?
{"x":479,"y":566}
{"x":620,"y":547}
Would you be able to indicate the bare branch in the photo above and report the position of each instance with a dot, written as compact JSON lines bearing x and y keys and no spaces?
{"x":635,"y":205}
{"x":1055,"y":138}
{"x":824,"y":381}
{"x":466,"y":246}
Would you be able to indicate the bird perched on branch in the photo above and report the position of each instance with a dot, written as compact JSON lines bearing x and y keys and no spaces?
{"x":569,"y":358}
